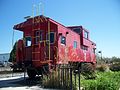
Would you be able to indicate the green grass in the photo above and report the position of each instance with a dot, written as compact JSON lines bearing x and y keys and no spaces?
{"x":103,"y":81}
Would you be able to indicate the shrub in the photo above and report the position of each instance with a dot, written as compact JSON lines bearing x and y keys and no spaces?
{"x":13,"y":54}
{"x":101,"y":84}
{"x":88,"y":70}
{"x":55,"y":81}
{"x":51,"y":81}
{"x":102,"y":68}
{"x":115,"y":67}
{"x":106,"y":81}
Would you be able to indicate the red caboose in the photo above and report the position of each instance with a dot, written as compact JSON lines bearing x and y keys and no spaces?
{"x":47,"y":43}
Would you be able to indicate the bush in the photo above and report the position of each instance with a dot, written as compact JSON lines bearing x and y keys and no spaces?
{"x":13,"y":54}
{"x":55,"y":81}
{"x":106,"y":84}
{"x":115,"y":67}
{"x":88,"y":71}
{"x":102,"y":68}
{"x":106,"y":81}
{"x":51,"y":81}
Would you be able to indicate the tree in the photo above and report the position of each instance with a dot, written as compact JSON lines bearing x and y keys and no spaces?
{"x":115,"y":59}
{"x":13,"y":54}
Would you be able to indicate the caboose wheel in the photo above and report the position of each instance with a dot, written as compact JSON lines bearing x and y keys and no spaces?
{"x":31,"y":72}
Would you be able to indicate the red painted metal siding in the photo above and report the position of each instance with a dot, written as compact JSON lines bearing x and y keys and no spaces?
{"x":59,"y":53}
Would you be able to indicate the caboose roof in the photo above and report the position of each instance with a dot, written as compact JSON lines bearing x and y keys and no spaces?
{"x":37,"y":19}
{"x":81,"y":27}
{"x":29,"y":22}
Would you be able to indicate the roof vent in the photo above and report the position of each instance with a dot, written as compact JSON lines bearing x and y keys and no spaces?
{"x":27,"y":17}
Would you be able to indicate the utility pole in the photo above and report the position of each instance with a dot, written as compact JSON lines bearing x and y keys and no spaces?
{"x":100,"y":53}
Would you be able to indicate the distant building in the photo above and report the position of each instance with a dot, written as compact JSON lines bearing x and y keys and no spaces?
{"x":4,"y":57}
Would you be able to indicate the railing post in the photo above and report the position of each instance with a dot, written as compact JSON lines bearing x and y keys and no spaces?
{"x":59,"y":74}
{"x":24,"y":71}
{"x":79,"y":76}
{"x":75,"y":78}
{"x":63,"y":76}
{"x":70,"y":78}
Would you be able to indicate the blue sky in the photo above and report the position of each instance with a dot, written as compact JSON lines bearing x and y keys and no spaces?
{"x":100,"y":17}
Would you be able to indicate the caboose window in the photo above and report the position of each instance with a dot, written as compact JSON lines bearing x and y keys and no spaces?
{"x":94,"y":50}
{"x":52,"y":37}
{"x":77,"y":30}
{"x":63,"y":40}
{"x":28,"y":41}
{"x":41,"y":36}
{"x":38,"y":35}
{"x":84,"y":47}
{"x":75,"y":44}
{"x":86,"y":34}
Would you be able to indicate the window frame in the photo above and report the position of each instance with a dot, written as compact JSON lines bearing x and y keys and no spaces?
{"x":36,"y":37}
{"x":86,"y":34}
{"x":50,"y":40}
{"x":80,"y":31}
{"x":94,"y":50}
{"x":39,"y":36}
{"x":75,"y":44}
{"x":85,"y":48}
{"x":26,"y":41}
{"x":61,"y":40}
